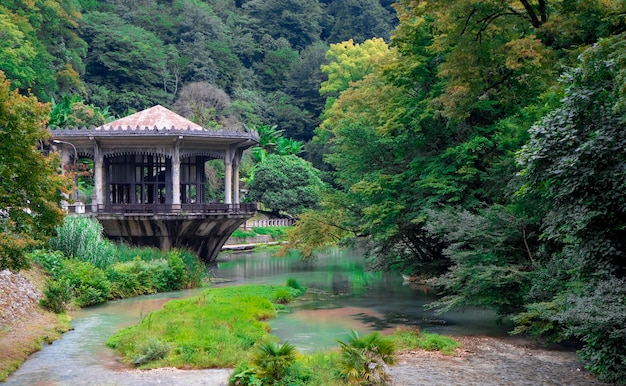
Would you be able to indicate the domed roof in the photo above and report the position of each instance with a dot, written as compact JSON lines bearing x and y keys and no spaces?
{"x":154,"y":118}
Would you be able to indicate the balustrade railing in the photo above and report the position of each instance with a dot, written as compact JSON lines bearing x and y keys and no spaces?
{"x":272,"y":222}
{"x":208,"y":208}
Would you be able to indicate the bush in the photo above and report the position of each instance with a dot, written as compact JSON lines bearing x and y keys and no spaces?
{"x":273,"y":360}
{"x":51,"y":261}
{"x":90,"y":284}
{"x":87,"y":283}
{"x":129,"y":279}
{"x":56,"y":296}
{"x":293,"y":283}
{"x":176,"y":276}
{"x":151,"y":350}
{"x":282,"y":296}
{"x":597,"y":316}
{"x":364,"y":360}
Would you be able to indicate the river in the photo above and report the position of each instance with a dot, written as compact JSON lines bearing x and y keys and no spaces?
{"x":342,"y":295}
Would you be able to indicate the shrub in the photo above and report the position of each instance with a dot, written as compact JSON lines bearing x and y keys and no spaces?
{"x":176,"y":275}
{"x":273,"y":360}
{"x":293,"y":283}
{"x":125,"y":281}
{"x":51,"y":261}
{"x":244,"y":374}
{"x":282,"y":296}
{"x":57,"y":295}
{"x":195,"y":270}
{"x":90,"y":284}
{"x":597,"y":316}
{"x":151,"y":350}
{"x":364,"y":360}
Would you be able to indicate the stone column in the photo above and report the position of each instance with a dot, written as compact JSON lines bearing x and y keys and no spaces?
{"x":228,"y":177}
{"x":98,"y":177}
{"x":236,"y":163}
{"x":176,"y":175}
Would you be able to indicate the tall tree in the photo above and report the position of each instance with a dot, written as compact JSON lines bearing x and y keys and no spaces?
{"x":298,"y":21}
{"x":286,"y":183}
{"x":125,"y":64}
{"x":574,"y":165}
{"x":30,"y":186}
{"x":358,"y":20}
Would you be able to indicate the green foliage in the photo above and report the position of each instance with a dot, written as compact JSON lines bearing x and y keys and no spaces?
{"x":41,"y":50}
{"x":89,"y":283}
{"x":413,"y":339}
{"x":56,"y":296}
{"x":286,"y":183}
{"x":272,"y":360}
{"x":491,"y":262}
{"x":132,"y":72}
{"x":274,"y":364}
{"x":30,"y":187}
{"x":214,"y":329}
{"x":151,"y":350}
{"x":150,"y":271}
{"x":282,"y":297}
{"x":140,"y":277}
{"x":81,"y":237}
{"x":597,"y":315}
{"x":297,"y":21}
{"x":364,"y":360}
{"x":293,"y":283}
{"x":71,"y":111}
{"x":573,"y":164}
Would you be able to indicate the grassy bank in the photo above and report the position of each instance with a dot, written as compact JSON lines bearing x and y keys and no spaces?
{"x":225,"y":327}
{"x":81,"y":268}
{"x":214,"y":329}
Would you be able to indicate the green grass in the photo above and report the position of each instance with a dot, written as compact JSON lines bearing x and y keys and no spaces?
{"x":277,"y":233}
{"x":215,"y":329}
{"x":413,"y":339}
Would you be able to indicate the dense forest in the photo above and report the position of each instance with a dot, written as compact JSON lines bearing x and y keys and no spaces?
{"x":479,"y":143}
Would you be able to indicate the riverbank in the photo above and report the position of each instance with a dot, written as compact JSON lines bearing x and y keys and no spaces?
{"x":481,"y":361}
{"x":24,"y":326}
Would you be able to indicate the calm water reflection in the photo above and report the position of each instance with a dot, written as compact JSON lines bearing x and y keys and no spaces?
{"x":342,"y":296}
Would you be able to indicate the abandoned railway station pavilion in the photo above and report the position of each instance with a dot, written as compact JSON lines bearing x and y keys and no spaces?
{"x":149,"y":179}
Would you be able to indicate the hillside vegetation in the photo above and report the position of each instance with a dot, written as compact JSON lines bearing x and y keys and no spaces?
{"x":478,"y":143}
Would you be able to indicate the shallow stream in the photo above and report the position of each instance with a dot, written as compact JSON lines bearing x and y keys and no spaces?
{"x":342,"y":296}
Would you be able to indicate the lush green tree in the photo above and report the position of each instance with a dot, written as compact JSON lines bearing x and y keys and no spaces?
{"x":358,"y":20}
{"x":71,"y":111}
{"x":40,"y":48}
{"x":350,"y":62}
{"x":286,"y":183}
{"x":30,"y":186}
{"x":302,"y":84}
{"x":298,"y":21}
{"x":125,"y":64}
{"x":274,"y":67}
{"x":17,"y":51}
{"x":574,"y":166}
